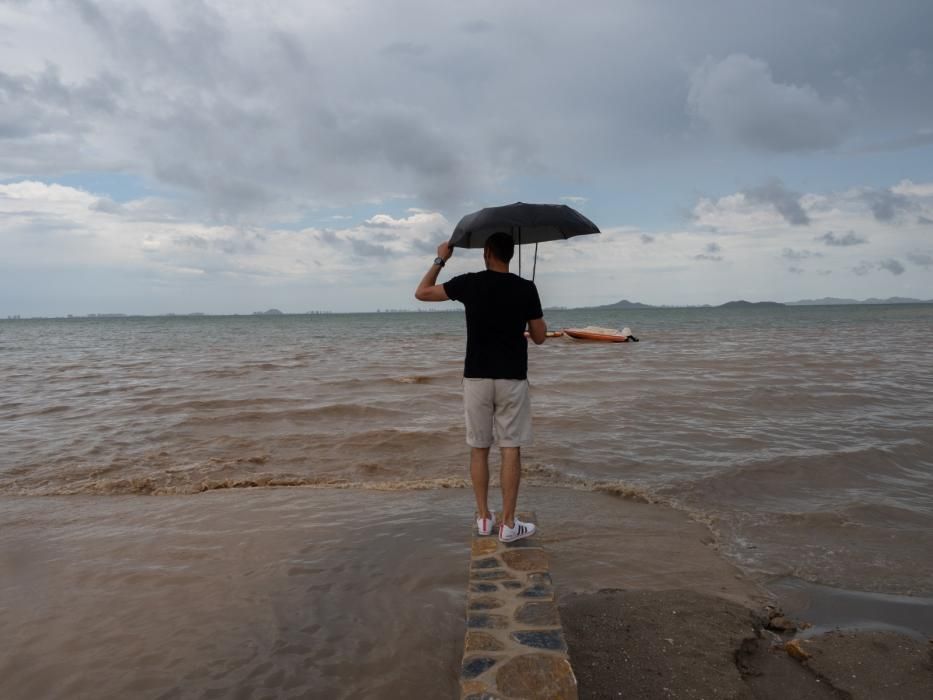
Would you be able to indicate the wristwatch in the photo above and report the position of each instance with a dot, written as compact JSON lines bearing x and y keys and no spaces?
{"x":439,"y":261}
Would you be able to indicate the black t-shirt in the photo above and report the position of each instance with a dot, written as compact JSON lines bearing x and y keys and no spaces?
{"x":498,"y":307}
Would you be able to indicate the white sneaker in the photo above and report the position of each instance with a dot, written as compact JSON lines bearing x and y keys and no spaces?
{"x":484,"y":526}
{"x":518,"y":531}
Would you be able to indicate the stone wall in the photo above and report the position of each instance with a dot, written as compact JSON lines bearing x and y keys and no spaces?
{"x":514,"y":645}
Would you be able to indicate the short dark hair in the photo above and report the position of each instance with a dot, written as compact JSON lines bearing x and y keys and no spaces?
{"x":501,"y":246}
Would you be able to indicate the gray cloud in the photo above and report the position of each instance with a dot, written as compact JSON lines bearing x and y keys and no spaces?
{"x":919,"y":139}
{"x":107,"y":205}
{"x":420,"y":245}
{"x":791,"y":254}
{"x":711,"y":253}
{"x":924,"y":221}
{"x":886,"y":206}
{"x":921,"y":259}
{"x":895,"y":267}
{"x":477,"y":26}
{"x":404,"y":48}
{"x":645,"y":238}
{"x":45,"y":123}
{"x":234,"y":243}
{"x":739,"y":99}
{"x":786,"y":202}
{"x":365,"y":249}
{"x":248,"y":116}
{"x":849,"y":239}
{"x":795,"y":270}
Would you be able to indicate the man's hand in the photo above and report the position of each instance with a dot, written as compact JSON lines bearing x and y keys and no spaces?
{"x":428,"y":289}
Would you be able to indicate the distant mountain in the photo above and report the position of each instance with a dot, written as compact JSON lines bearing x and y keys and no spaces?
{"x":742,"y":304}
{"x":836,"y":301}
{"x":626,"y":304}
{"x":270,"y":312}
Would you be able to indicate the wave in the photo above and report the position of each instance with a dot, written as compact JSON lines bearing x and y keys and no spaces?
{"x":338,"y":411}
{"x":414,"y":379}
{"x":181,"y":480}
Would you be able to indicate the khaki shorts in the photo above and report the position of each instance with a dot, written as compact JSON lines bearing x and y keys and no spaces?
{"x":499,"y":408}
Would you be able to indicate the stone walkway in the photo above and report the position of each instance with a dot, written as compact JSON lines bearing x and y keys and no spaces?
{"x":514,"y":645}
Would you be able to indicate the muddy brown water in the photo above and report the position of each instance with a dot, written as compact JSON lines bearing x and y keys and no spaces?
{"x":801,"y":438}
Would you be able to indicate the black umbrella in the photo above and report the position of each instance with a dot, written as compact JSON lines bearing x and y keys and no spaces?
{"x":527,"y":223}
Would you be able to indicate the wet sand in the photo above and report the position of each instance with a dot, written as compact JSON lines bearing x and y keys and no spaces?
{"x":680,"y":621}
{"x":683,"y":644}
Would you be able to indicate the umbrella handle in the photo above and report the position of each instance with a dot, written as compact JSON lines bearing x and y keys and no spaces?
{"x":534,"y":268}
{"x":519,"y":251}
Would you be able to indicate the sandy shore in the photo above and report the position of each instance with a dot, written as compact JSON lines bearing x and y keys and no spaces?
{"x":651,"y":610}
{"x":682,"y":644}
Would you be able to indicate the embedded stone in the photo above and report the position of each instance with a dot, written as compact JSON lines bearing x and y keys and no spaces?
{"x":485,"y":602}
{"x":475,"y":620}
{"x":541,"y":639}
{"x":540,"y":614}
{"x":486,"y":545}
{"x":476,"y":665}
{"x":526,"y":559}
{"x":512,"y":584}
{"x":488,"y":563}
{"x":537,"y":676}
{"x":540,"y":579}
{"x":482,"y":641}
{"x":484,"y":587}
{"x":537,"y":592}
{"x":490,"y":575}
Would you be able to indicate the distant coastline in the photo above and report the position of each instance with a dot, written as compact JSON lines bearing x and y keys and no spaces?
{"x":622,"y":304}
{"x":741,"y":303}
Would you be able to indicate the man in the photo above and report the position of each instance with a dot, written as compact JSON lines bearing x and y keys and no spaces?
{"x":495,"y":375}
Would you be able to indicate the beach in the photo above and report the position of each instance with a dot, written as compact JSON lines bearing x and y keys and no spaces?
{"x":253,"y":507}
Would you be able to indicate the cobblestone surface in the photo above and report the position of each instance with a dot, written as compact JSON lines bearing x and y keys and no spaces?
{"x":514,"y":645}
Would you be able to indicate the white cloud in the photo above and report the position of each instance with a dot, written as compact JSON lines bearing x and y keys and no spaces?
{"x":49,"y":228}
{"x":53,"y":234}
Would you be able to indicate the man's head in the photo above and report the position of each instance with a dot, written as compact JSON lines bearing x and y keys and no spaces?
{"x":499,"y":246}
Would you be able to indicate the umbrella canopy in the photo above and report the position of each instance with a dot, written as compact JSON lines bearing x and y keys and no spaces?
{"x":528,"y":223}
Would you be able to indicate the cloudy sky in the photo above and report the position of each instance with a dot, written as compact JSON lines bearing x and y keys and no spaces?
{"x":228,"y":156}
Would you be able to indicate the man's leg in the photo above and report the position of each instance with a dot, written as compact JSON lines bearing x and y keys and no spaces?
{"x":479,"y":407}
{"x":479,"y":473}
{"x":510,"y":477}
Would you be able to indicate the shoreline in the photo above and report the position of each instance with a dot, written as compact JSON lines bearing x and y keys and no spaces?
{"x":681,"y":620}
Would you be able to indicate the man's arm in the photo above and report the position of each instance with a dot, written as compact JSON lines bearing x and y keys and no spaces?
{"x":537,"y":330}
{"x":428,"y":289}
